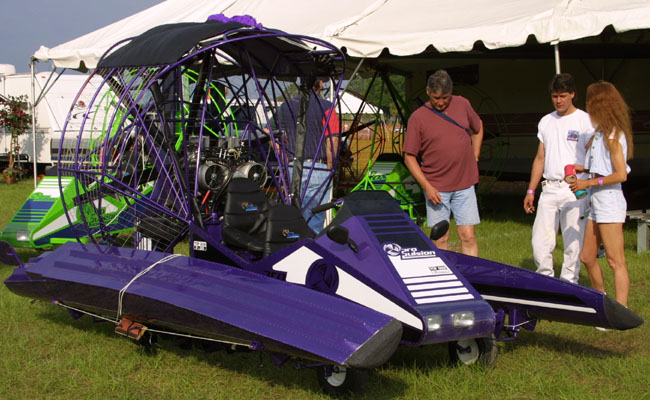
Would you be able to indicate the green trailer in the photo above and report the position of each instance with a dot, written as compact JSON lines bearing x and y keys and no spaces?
{"x":389,"y":173}
{"x":41,"y":222}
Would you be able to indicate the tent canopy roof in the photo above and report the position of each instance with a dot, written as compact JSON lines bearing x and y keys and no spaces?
{"x":366,"y":27}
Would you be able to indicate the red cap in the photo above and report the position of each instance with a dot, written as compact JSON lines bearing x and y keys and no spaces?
{"x":569,"y":169}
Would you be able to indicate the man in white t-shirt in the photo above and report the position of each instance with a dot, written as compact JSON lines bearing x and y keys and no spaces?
{"x":563,"y":136}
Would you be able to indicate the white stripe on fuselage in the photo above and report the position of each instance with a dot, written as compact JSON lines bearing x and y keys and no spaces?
{"x":540,"y":304}
{"x":49,"y":186}
{"x":431,"y":300}
{"x":437,"y":285}
{"x":439,"y":292}
{"x":425,"y":276}
{"x":297,"y":264}
{"x":425,"y":279}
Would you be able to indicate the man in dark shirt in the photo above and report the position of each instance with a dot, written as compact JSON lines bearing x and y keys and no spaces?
{"x":321,"y":148}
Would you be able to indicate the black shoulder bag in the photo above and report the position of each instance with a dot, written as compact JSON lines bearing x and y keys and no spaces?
{"x":448,"y":118}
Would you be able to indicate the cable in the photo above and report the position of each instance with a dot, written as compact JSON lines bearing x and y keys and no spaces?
{"x":139,"y":274}
{"x":116,"y":322}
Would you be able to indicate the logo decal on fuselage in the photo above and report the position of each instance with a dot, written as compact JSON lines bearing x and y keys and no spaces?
{"x":414,"y":252}
{"x":407,"y":253}
{"x":426,"y":276}
{"x":392,"y":249}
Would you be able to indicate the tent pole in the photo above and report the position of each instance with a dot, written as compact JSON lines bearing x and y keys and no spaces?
{"x":352,"y":78}
{"x":556,"y":50}
{"x":33,"y":104}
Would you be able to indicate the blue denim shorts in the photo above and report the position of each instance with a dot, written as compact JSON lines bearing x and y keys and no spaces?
{"x":462,"y":203}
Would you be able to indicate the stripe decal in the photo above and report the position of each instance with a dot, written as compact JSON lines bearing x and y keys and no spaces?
{"x":434,"y":285}
{"x":544,"y":304}
{"x":61,"y":221}
{"x":426,"y":276}
{"x":458,"y":297}
{"x":297,"y":265}
{"x":357,"y":291}
{"x":425,"y":279}
{"x":49,"y":186}
{"x":439,"y":292}
{"x":442,"y":285}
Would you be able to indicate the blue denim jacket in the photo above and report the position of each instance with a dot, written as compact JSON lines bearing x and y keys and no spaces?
{"x":599,"y":160}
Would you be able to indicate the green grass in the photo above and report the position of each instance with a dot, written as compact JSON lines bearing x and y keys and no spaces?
{"x":46,"y":354}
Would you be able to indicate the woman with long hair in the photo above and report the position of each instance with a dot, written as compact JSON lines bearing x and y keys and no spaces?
{"x":606,"y":161}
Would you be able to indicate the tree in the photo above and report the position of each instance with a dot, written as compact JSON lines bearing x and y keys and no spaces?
{"x":14,"y":117}
{"x":378,"y":95}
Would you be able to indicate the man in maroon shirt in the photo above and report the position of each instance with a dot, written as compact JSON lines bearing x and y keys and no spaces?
{"x":446,"y":134}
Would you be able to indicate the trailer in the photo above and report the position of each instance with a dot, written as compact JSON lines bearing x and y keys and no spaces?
{"x":55,"y":98}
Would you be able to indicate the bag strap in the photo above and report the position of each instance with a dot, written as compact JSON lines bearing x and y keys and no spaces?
{"x":448,"y":118}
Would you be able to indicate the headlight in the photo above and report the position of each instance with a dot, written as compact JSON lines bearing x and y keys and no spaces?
{"x":22,"y":236}
{"x":434,"y":322}
{"x":463,"y":319}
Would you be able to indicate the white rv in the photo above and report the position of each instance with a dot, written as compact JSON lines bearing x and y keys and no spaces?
{"x":53,"y":105}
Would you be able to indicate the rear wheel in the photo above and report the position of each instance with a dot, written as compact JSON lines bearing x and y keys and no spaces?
{"x":337,"y":380}
{"x":471,"y":351}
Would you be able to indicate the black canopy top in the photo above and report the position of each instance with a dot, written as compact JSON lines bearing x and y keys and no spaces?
{"x":267,"y":49}
{"x":165,"y":44}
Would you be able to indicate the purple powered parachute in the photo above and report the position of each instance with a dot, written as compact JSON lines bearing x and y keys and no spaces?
{"x":194,"y":151}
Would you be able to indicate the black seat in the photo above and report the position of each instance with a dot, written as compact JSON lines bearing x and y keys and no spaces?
{"x":285,"y":225}
{"x":244,"y":221}
{"x":252,"y":223}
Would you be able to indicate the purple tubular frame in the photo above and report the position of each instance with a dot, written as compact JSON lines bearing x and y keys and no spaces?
{"x":178,"y":171}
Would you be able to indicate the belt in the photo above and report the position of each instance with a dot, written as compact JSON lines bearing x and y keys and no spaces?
{"x":551,"y":181}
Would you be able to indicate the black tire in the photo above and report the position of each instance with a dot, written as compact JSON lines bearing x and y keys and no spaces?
{"x":483,"y":351}
{"x":337,"y":380}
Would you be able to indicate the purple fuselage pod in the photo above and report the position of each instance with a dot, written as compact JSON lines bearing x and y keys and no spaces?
{"x":397,"y":270}
{"x":209,"y":300}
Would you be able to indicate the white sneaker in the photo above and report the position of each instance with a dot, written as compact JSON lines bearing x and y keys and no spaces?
{"x":600,"y":328}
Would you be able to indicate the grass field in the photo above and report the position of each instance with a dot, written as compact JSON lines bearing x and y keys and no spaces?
{"x":44,"y":354}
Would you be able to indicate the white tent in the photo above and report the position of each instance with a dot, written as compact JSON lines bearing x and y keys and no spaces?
{"x":408,"y":27}
{"x":351,"y":104}
{"x":366,"y":27}
{"x":277,"y":14}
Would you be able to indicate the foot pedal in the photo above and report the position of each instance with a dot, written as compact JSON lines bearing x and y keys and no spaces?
{"x":132,"y":330}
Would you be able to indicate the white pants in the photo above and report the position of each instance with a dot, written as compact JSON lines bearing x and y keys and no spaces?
{"x":558,"y":207}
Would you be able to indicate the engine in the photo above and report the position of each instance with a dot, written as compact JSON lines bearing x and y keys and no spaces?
{"x":221,"y":160}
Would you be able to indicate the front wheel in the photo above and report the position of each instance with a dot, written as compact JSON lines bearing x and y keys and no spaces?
{"x":337,"y":380}
{"x":470,"y":351}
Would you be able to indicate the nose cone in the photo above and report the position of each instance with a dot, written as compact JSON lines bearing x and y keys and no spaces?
{"x":378,"y":349}
{"x":620,"y":317}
